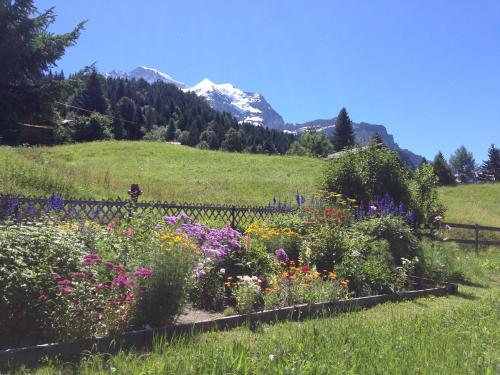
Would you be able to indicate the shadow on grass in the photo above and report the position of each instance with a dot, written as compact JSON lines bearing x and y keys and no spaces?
{"x":471,"y":283}
{"x":468,"y":296}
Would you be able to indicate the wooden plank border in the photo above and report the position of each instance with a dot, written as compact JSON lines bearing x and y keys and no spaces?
{"x":143,"y":339}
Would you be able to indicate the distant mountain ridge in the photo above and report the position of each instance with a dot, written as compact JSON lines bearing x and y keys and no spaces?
{"x":254,"y":109}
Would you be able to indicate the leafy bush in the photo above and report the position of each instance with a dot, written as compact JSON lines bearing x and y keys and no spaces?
{"x":369,"y":271}
{"x":163,"y":293}
{"x":365,"y":173}
{"x":401,"y":239}
{"x":439,"y":263}
{"x":425,"y":198}
{"x":29,"y":257}
{"x":327,"y":246}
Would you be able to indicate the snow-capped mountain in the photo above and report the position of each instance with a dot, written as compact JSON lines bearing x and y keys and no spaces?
{"x":244,"y":106}
{"x":150,"y":75}
{"x":253,"y":108}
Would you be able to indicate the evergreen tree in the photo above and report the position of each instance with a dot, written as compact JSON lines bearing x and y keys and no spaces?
{"x":232,"y":141}
{"x":126,"y":113}
{"x":92,"y":98}
{"x":490,"y":169}
{"x":343,"y":136}
{"x":463,"y":165}
{"x":377,"y":140}
{"x":27,"y":53}
{"x":442,"y":170}
{"x":170,"y":136}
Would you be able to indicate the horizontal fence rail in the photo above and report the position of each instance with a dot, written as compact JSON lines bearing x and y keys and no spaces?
{"x":106,"y":211}
{"x":477,"y":229}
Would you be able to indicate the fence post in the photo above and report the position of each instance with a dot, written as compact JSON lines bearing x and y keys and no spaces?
{"x":476,"y":229}
{"x":233,"y":217}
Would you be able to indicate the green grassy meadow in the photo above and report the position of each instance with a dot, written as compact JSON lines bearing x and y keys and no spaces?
{"x":164,"y":171}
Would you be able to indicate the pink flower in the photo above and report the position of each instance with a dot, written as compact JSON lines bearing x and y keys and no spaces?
{"x":65,"y":290}
{"x":118,"y":268}
{"x":112,"y":303}
{"x":91,"y":258}
{"x":143,"y":272}
{"x":129,"y":298}
{"x":42,"y":298}
{"x":438,"y":218}
{"x":129,"y":232}
{"x":103,"y":286}
{"x":64,"y":282}
{"x":448,"y":227}
{"x":120,"y":280}
{"x":78,"y":274}
{"x":112,"y":225}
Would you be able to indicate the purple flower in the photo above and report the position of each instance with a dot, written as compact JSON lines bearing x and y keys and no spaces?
{"x":129,"y":298}
{"x":200,"y":273}
{"x":78,"y":274}
{"x":170,"y":220}
{"x":120,"y":280}
{"x":159,"y":227}
{"x":65,"y":290}
{"x":91,"y":259}
{"x":64,"y":282}
{"x":42,"y":298}
{"x":143,"y":272}
{"x":282,"y":255}
{"x":185,"y":218}
{"x":222,"y":252}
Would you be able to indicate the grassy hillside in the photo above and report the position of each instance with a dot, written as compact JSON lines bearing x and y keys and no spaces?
{"x":164,"y":171}
{"x":473,"y":204}
{"x":172,"y":172}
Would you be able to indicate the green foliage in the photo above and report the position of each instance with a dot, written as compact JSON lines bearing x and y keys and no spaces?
{"x":327,"y":246}
{"x":90,"y":128}
{"x":364,"y":174}
{"x":164,"y":292}
{"x":490,"y":169}
{"x":463,"y":165}
{"x":439,"y":262}
{"x":157,"y":134}
{"x":369,"y":271}
{"x":443,"y":170}
{"x":425,"y":198}
{"x":232,"y":141}
{"x":27,"y":53}
{"x":401,"y":239}
{"x":247,"y":294}
{"x":343,"y":136}
{"x":29,"y":256}
{"x":311,"y":143}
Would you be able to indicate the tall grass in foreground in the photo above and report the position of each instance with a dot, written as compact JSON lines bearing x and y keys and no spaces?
{"x":443,"y":335}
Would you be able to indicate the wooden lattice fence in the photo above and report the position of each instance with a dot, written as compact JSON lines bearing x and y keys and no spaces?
{"x":22,"y":208}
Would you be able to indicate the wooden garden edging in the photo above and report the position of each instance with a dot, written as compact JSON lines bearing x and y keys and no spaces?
{"x":31,"y":356}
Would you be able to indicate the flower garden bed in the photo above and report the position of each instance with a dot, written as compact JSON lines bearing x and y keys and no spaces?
{"x":141,"y":339}
{"x":87,"y":286}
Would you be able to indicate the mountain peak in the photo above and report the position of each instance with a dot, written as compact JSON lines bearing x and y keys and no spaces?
{"x":150,"y":75}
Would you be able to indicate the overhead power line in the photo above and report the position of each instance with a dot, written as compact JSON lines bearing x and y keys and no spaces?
{"x":86,"y":110}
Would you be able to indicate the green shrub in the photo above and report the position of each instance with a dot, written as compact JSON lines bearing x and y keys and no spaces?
{"x":438,"y":261}
{"x":425,"y":198}
{"x":163,"y":293}
{"x":29,"y":256}
{"x":369,"y":271}
{"x":365,"y":173}
{"x":401,"y":239}
{"x":328,"y":246}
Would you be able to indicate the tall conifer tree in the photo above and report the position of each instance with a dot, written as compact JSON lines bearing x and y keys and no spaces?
{"x":442,"y":170}
{"x":490,"y":169}
{"x":343,"y":136}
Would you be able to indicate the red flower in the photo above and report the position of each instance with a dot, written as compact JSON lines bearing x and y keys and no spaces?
{"x":306,"y":268}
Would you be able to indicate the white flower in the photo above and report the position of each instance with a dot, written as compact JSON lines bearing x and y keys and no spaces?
{"x":271,"y":357}
{"x":222,"y":271}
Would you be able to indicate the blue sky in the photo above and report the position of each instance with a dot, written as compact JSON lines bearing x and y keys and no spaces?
{"x":427,"y":70}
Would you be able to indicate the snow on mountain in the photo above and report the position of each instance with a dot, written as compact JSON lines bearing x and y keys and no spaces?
{"x":244,"y":106}
{"x":150,"y":75}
